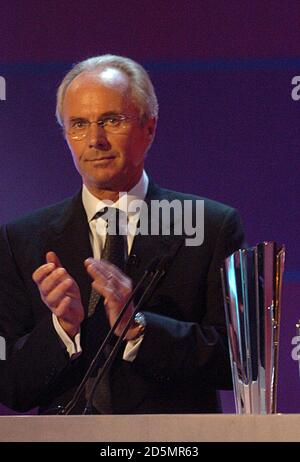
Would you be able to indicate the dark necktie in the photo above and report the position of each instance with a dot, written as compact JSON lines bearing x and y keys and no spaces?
{"x":115,"y":246}
{"x":114,"y":251}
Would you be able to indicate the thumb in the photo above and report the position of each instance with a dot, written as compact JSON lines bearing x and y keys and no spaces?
{"x":51,"y":257}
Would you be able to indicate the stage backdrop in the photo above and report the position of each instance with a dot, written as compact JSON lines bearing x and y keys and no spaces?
{"x":228,"y":124}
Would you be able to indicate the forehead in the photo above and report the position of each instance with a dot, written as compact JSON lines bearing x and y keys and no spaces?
{"x":98,"y":92}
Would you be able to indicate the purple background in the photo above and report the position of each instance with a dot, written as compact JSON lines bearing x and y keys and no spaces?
{"x":228,"y":127}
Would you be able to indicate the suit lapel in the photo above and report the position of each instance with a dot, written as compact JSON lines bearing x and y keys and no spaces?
{"x":146,"y":247}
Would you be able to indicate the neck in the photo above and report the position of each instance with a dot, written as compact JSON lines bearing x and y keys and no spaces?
{"x":111,"y":194}
{"x":104,"y":194}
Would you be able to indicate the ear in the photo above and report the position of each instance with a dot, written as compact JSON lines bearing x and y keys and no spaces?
{"x":151,"y":127}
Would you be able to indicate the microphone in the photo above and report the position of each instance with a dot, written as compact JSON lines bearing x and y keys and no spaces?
{"x":156,"y":275}
{"x":153,"y":268}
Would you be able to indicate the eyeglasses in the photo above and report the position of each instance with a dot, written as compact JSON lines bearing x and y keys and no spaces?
{"x":78,"y":129}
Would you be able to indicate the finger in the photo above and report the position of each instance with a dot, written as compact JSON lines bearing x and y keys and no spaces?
{"x":51,"y":281}
{"x":104,"y":281}
{"x":108,"y":278}
{"x":51,"y":257}
{"x":63,"y":306}
{"x":104,"y":270}
{"x":97,"y":271}
{"x":112,"y":291}
{"x":42,"y":272}
{"x":89,"y":261}
{"x":55,"y":297}
{"x":64,"y":309}
{"x":103,"y":265}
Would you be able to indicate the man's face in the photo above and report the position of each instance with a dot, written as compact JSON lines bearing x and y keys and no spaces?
{"x":106,"y":161}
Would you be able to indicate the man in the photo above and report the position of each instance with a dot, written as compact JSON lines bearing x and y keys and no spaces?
{"x":174,"y":356}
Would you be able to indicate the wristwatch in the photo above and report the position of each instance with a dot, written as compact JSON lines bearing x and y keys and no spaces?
{"x":139,"y":321}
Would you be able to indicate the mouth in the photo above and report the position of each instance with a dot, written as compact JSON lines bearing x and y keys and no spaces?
{"x":101,"y":159}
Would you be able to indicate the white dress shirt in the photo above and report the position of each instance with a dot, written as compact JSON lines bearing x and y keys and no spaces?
{"x":130,"y":203}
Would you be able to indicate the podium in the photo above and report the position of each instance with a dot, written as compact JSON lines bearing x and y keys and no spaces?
{"x":152,"y":428}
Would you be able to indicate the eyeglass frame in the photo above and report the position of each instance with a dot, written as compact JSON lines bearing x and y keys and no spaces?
{"x":100,"y":123}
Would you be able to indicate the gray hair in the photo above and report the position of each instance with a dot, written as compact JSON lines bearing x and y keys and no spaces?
{"x":141,"y":86}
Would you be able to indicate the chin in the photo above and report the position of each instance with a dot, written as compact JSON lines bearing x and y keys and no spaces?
{"x":110,"y":183}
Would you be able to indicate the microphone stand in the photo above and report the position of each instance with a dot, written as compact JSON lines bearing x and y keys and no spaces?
{"x":155,"y":278}
{"x":72,"y":403}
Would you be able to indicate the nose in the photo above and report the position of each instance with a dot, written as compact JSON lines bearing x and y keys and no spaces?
{"x":97,"y":137}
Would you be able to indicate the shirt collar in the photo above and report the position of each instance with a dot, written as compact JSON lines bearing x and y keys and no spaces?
{"x":92,"y":204}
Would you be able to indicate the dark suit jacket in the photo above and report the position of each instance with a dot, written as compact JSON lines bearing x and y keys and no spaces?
{"x":183,"y":358}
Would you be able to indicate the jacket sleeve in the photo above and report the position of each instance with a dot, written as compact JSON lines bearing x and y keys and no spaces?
{"x":34,"y":352}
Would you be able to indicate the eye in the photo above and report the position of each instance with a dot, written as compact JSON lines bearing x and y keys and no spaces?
{"x":78,"y":124}
{"x":113,"y":121}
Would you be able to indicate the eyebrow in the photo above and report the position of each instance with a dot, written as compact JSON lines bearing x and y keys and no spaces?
{"x":105,"y":114}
